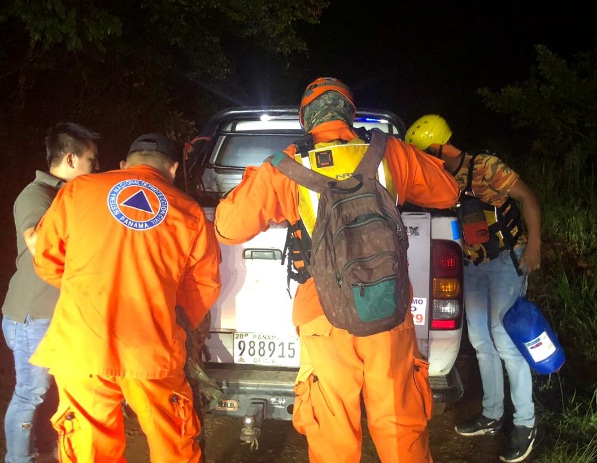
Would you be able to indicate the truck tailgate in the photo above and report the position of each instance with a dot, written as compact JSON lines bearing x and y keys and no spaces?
{"x":256,"y":299}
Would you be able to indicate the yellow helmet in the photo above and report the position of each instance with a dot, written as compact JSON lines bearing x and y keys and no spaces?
{"x":427,"y":130}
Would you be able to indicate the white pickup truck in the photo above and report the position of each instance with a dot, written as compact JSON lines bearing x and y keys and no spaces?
{"x":253,"y":348}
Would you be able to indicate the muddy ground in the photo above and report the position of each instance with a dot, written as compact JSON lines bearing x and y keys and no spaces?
{"x":280,"y":443}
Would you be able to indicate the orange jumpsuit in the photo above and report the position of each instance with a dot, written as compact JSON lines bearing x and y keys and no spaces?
{"x":336,"y":366}
{"x":125,"y":247}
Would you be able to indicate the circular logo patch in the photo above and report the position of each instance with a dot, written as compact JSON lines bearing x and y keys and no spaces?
{"x":137,"y":204}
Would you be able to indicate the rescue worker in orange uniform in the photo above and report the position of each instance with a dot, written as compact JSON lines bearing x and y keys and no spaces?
{"x":337,"y":367}
{"x":125,"y":247}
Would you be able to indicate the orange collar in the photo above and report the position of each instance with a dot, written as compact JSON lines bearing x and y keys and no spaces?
{"x":332,"y":130}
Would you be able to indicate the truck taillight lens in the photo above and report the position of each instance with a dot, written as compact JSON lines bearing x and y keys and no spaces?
{"x":446,"y":284}
{"x":446,"y":287}
{"x":445,"y":314}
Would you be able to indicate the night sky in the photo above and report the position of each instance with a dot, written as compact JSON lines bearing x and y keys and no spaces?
{"x":431,"y":57}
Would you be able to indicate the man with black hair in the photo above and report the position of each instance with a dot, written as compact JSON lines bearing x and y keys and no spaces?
{"x":140,"y":248}
{"x":71,"y":150}
{"x":499,"y":255}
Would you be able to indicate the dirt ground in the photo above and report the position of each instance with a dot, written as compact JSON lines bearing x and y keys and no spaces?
{"x":280,"y":443}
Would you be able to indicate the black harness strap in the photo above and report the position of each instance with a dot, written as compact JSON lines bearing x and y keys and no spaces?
{"x":304,"y":145}
{"x":298,"y":251}
{"x":507,"y":217}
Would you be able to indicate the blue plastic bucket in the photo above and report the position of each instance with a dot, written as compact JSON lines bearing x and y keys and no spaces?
{"x":534,"y":337}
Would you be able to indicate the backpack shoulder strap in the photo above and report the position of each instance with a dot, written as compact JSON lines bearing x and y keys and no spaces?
{"x":299,"y":173}
{"x":374,"y":154}
{"x":318,"y":182}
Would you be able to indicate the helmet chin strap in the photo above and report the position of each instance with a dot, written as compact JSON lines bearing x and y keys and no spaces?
{"x":461,"y":156}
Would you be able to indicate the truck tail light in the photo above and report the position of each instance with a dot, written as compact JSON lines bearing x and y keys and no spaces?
{"x":446,"y":284}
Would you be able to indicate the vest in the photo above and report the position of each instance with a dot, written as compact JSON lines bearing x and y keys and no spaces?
{"x":337,"y":161}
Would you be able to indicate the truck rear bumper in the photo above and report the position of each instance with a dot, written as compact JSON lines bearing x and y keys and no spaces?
{"x":273,"y":391}
{"x":446,"y":389}
{"x":242,"y":389}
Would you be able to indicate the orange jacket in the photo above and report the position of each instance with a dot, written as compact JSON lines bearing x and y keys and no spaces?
{"x":266,"y":195}
{"x":125,"y":247}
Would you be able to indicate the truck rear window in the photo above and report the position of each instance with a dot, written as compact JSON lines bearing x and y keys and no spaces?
{"x":241,"y":150}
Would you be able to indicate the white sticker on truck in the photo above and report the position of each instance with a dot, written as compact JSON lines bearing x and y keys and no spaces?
{"x":418,"y":308}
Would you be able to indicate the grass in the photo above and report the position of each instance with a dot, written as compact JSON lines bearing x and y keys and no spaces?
{"x":568,"y":298}
{"x":571,"y":452}
{"x":574,"y":427}
{"x":566,"y":291}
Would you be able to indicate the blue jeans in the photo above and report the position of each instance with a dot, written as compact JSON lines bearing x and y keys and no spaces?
{"x":490,"y":289}
{"x":21,"y":426}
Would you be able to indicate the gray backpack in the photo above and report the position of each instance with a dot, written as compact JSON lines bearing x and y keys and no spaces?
{"x":358,"y":249}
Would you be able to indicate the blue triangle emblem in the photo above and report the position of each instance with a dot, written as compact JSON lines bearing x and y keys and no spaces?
{"x":138,"y":201}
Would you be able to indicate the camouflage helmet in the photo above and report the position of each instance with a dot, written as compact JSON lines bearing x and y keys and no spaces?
{"x":326,"y":99}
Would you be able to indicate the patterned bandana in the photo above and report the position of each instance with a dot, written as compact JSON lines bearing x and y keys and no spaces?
{"x":329,"y":106}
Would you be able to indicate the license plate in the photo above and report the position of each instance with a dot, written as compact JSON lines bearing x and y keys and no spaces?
{"x":266,"y":349}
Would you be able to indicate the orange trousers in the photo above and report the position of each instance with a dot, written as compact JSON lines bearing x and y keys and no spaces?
{"x":336,"y":368}
{"x":90,"y":422}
